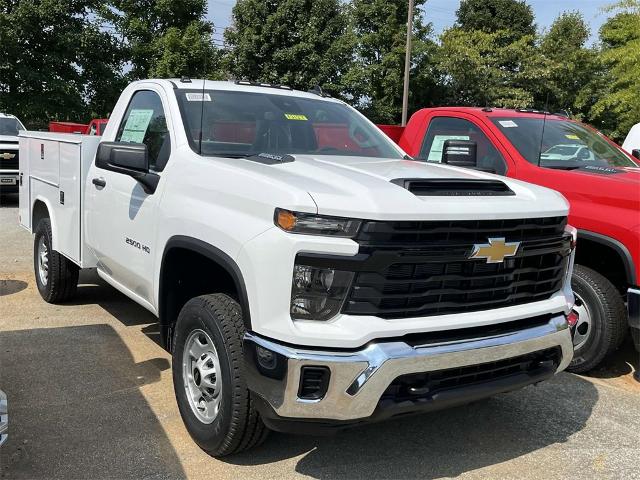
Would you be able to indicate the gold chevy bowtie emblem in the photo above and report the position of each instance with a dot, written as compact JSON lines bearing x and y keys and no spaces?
{"x":7,"y":156}
{"x":495,"y":251}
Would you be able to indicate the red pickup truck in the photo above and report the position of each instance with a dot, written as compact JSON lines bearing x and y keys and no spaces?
{"x":600,"y":180}
{"x":95,"y":127}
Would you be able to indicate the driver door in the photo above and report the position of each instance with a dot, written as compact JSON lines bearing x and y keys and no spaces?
{"x":121,"y":219}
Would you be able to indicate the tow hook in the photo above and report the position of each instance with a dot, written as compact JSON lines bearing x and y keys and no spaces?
{"x":572,"y":320}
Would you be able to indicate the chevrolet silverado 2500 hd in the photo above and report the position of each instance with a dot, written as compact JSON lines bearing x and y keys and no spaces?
{"x":9,"y":160}
{"x":600,"y":181}
{"x":306,"y":275}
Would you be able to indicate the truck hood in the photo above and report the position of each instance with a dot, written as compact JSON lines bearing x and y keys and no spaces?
{"x":614,"y":186}
{"x":4,"y":139}
{"x":361,"y":187}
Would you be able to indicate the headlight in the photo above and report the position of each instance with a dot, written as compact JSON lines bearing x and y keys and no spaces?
{"x":310,"y":224}
{"x":318,"y":293}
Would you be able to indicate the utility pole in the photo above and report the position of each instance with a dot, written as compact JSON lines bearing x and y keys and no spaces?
{"x":407,"y":65}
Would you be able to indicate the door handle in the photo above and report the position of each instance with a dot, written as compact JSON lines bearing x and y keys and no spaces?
{"x":99,"y":182}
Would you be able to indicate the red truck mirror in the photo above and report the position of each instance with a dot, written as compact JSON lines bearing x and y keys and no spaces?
{"x":460,"y":153}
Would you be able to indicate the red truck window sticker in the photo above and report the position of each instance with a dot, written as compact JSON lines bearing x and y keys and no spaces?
{"x":136,"y":126}
{"x":508,"y":123}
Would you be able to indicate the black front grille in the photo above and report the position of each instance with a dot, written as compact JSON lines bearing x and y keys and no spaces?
{"x":423,"y":268}
{"x":9,"y":163}
{"x":417,"y":386}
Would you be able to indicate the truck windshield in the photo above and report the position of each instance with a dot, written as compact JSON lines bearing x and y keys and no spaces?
{"x":565,"y":145}
{"x":240,"y":124}
{"x":10,"y":126}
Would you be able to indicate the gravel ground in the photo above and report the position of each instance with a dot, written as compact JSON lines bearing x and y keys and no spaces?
{"x":91,"y":396}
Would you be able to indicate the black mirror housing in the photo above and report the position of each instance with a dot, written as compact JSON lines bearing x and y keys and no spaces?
{"x":132,"y":156}
{"x":460,"y":153}
{"x":129,"y":159}
{"x":636,"y":153}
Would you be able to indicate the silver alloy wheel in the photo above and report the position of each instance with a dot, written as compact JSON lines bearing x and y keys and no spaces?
{"x":43,"y":261}
{"x":202,"y":376}
{"x":584,"y":325}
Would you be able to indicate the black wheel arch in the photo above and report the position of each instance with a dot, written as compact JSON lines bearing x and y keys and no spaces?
{"x":615,"y":246}
{"x":215,"y":255}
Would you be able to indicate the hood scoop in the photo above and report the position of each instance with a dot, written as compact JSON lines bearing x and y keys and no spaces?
{"x":453,"y":187}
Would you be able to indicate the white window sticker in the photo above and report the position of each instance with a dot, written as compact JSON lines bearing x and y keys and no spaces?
{"x":136,"y":125}
{"x":435,"y":154}
{"x":198,"y":97}
{"x":508,"y":123}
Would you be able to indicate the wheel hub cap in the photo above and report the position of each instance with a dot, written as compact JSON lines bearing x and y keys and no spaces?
{"x":201,"y":373}
{"x":43,"y":261}
{"x":584,"y":326}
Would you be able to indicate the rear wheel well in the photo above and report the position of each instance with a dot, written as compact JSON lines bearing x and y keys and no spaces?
{"x":187,"y":273}
{"x":604,"y":259}
{"x":40,"y":211}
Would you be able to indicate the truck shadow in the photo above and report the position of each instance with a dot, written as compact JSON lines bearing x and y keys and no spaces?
{"x":75,"y":409}
{"x":442,"y":444}
{"x":93,"y":290}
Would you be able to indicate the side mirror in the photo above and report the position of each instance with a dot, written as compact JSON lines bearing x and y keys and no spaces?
{"x":129,"y":159}
{"x":636,"y":153}
{"x":460,"y":153}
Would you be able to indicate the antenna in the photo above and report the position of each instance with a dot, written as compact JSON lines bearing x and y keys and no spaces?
{"x":544,"y":122}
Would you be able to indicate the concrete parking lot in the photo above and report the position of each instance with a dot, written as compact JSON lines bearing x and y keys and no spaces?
{"x":91,"y":396}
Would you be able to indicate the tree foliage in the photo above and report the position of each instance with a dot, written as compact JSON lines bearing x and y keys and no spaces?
{"x":375,"y":78}
{"x":481,"y":69}
{"x":573,"y":66}
{"x":620,"y":95}
{"x":54,"y":62}
{"x":162,"y":37}
{"x":513,"y":17}
{"x":69,"y":59}
{"x":300,"y":43}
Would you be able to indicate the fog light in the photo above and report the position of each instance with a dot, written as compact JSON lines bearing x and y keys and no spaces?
{"x":266,"y":358}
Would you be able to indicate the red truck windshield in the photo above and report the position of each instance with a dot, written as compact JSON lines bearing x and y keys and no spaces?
{"x":565,"y":145}
{"x":239,"y":124}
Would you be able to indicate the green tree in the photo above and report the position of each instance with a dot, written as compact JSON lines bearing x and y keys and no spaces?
{"x":491,"y":16}
{"x":54,"y":63}
{"x":572,"y":65}
{"x":484,"y":69}
{"x":618,"y":107}
{"x":375,"y":78}
{"x":300,"y":43}
{"x":163,"y":37}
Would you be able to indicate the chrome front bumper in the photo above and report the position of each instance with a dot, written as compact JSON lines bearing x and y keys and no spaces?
{"x":4,"y":418}
{"x":359,"y":378}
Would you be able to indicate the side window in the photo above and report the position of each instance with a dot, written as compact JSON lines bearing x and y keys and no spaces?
{"x":145,"y":122}
{"x":448,"y":128}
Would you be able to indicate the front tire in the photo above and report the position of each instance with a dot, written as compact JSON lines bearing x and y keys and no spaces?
{"x":56,"y":275}
{"x":208,"y":377}
{"x":603,"y":321}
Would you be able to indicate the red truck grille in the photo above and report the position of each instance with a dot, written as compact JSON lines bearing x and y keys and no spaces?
{"x":423,"y":268}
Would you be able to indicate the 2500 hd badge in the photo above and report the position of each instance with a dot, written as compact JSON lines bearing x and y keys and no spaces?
{"x":138,"y":245}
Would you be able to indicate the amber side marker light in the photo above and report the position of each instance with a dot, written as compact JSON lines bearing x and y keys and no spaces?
{"x":286,"y":220}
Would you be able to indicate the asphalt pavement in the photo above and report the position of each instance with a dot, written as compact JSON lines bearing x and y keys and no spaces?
{"x":91,"y":396}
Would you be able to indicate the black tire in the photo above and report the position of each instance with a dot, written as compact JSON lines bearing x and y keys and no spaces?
{"x":62,"y":279}
{"x":635,"y":335}
{"x":608,"y":318}
{"x":238,"y":425}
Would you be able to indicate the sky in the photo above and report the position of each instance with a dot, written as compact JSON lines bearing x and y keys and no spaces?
{"x":442,"y":13}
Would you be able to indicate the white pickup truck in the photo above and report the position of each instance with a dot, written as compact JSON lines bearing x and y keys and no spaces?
{"x":9,"y":128}
{"x":306,"y":274}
